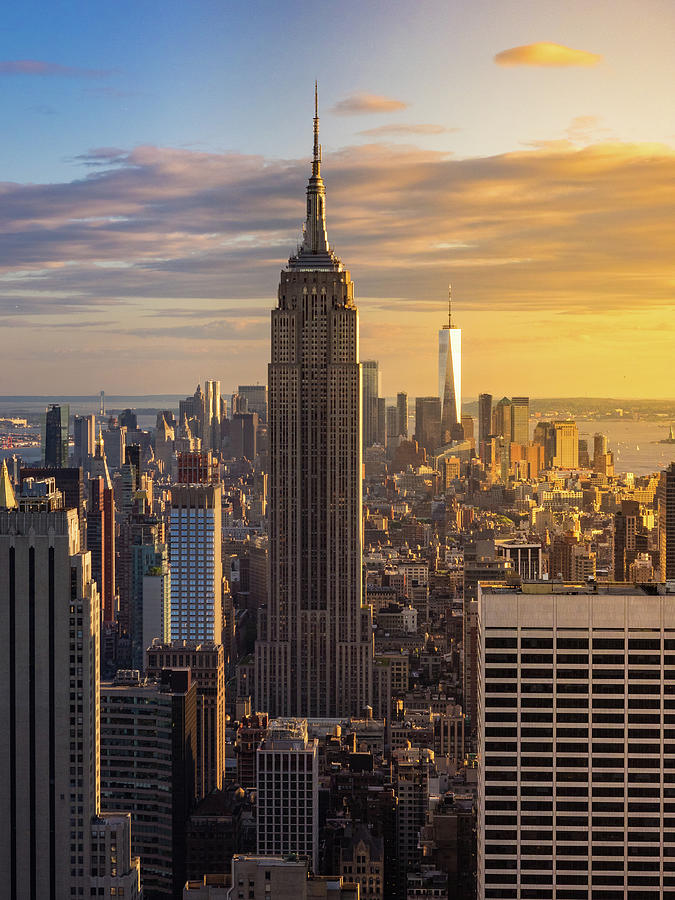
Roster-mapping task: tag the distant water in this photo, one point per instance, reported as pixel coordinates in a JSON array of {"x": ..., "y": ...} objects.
[{"x": 634, "y": 443}]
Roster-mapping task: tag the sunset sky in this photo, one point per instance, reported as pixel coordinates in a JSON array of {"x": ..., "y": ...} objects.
[{"x": 154, "y": 160}]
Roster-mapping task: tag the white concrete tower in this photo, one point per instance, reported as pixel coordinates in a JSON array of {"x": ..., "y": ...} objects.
[{"x": 314, "y": 648}]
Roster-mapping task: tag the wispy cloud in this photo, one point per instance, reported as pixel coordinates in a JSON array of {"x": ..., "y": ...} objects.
[
  {"x": 545, "y": 53},
  {"x": 393, "y": 130},
  {"x": 43, "y": 68},
  {"x": 362, "y": 103}
]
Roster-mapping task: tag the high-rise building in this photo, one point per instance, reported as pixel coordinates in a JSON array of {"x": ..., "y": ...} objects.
[
  {"x": 502, "y": 419},
  {"x": 566, "y": 445},
  {"x": 194, "y": 556},
  {"x": 148, "y": 737},
  {"x": 101, "y": 532},
  {"x": 206, "y": 662},
  {"x": 666, "y": 508},
  {"x": 243, "y": 435},
  {"x": 413, "y": 769},
  {"x": 577, "y": 766},
  {"x": 428, "y": 423},
  {"x": 55, "y": 436},
  {"x": 484, "y": 417},
  {"x": 84, "y": 435},
  {"x": 450, "y": 379},
  {"x": 256, "y": 399},
  {"x": 392, "y": 431},
  {"x": 197, "y": 467},
  {"x": 114, "y": 441},
  {"x": 370, "y": 375},
  {"x": 71, "y": 484},
  {"x": 55, "y": 841},
  {"x": 314, "y": 648},
  {"x": 212, "y": 416},
  {"x": 520, "y": 420},
  {"x": 288, "y": 791},
  {"x": 402, "y": 408}
]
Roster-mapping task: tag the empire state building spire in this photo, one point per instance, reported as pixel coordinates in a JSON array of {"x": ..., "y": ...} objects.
[{"x": 315, "y": 251}]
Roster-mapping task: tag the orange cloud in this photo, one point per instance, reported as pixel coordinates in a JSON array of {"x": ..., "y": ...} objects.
[
  {"x": 545, "y": 53},
  {"x": 361, "y": 103}
]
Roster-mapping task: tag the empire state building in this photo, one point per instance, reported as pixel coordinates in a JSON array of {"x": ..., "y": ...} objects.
[{"x": 314, "y": 649}]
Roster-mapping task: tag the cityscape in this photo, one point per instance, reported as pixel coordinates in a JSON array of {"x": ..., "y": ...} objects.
[{"x": 354, "y": 606}]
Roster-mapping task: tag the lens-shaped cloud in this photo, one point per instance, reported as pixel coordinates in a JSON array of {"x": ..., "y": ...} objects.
[
  {"x": 545, "y": 53},
  {"x": 361, "y": 104}
]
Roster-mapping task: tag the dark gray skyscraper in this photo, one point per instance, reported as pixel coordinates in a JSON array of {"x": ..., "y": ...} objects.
[
  {"x": 402, "y": 410},
  {"x": 371, "y": 391},
  {"x": 55, "y": 436},
  {"x": 484, "y": 417},
  {"x": 314, "y": 648}
]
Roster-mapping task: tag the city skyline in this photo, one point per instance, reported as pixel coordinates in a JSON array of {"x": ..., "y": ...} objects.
[{"x": 134, "y": 234}]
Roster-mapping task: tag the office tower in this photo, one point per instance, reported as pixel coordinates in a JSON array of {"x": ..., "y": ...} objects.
[
  {"x": 243, "y": 434},
  {"x": 428, "y": 423},
  {"x": 256, "y": 399},
  {"x": 206, "y": 662},
  {"x": 71, "y": 484},
  {"x": 193, "y": 410},
  {"x": 114, "y": 440},
  {"x": 84, "y": 434},
  {"x": 288, "y": 791},
  {"x": 402, "y": 408},
  {"x": 575, "y": 706},
  {"x": 525, "y": 558},
  {"x": 51, "y": 818},
  {"x": 484, "y": 417},
  {"x": 666, "y": 509},
  {"x": 566, "y": 445},
  {"x": 101, "y": 532},
  {"x": 194, "y": 555},
  {"x": 544, "y": 437},
  {"x": 314, "y": 648},
  {"x": 450, "y": 378},
  {"x": 197, "y": 467},
  {"x": 55, "y": 448},
  {"x": 129, "y": 420},
  {"x": 370, "y": 375},
  {"x": 520, "y": 420},
  {"x": 212, "y": 411},
  {"x": 413, "y": 769},
  {"x": 144, "y": 586},
  {"x": 502, "y": 419},
  {"x": 391, "y": 420},
  {"x": 468, "y": 429},
  {"x": 148, "y": 736},
  {"x": 381, "y": 421},
  {"x": 165, "y": 435},
  {"x": 251, "y": 732}
]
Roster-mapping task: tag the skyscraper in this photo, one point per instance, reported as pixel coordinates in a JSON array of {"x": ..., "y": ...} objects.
[
  {"x": 84, "y": 434},
  {"x": 371, "y": 391},
  {"x": 194, "y": 554},
  {"x": 666, "y": 506},
  {"x": 428, "y": 423},
  {"x": 450, "y": 378},
  {"x": 314, "y": 648},
  {"x": 484, "y": 417},
  {"x": 577, "y": 766},
  {"x": 288, "y": 791},
  {"x": 566, "y": 445},
  {"x": 212, "y": 404},
  {"x": 520, "y": 420},
  {"x": 51, "y": 826},
  {"x": 402, "y": 408},
  {"x": 55, "y": 436}
]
